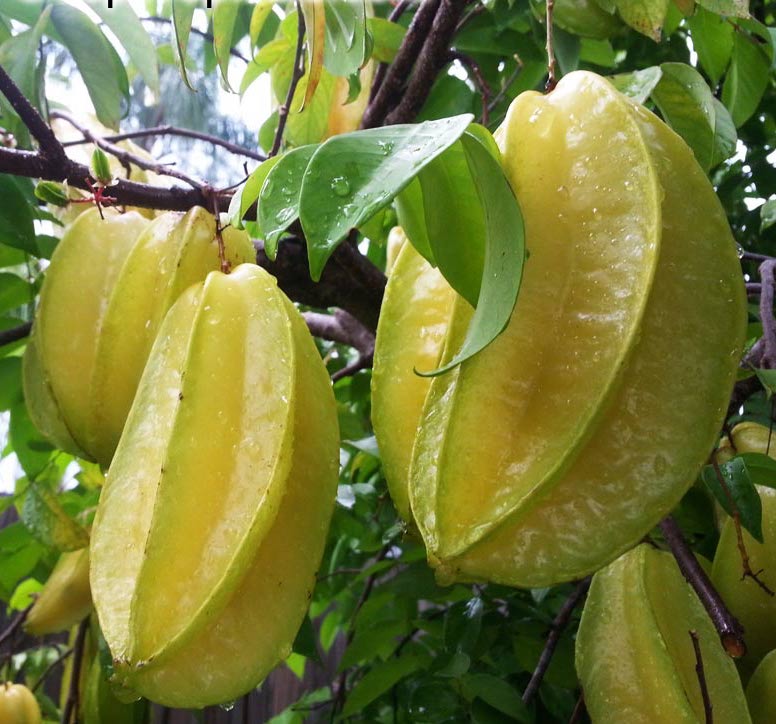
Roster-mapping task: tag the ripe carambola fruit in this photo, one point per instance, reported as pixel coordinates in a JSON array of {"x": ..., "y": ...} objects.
[
  {"x": 106, "y": 292},
  {"x": 761, "y": 691},
  {"x": 417, "y": 298},
  {"x": 66, "y": 597},
  {"x": 18, "y": 705},
  {"x": 215, "y": 509},
  {"x": 634, "y": 654},
  {"x": 564, "y": 441},
  {"x": 747, "y": 601}
]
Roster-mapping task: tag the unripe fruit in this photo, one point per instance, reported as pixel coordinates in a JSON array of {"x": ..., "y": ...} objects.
[{"x": 761, "y": 691}]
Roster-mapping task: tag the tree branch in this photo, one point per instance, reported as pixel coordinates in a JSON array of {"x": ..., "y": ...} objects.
[
  {"x": 475, "y": 72},
  {"x": 382, "y": 68},
  {"x": 433, "y": 57},
  {"x": 768, "y": 278},
  {"x": 70, "y": 712},
  {"x": 707, "y": 710},
  {"x": 125, "y": 156},
  {"x": 50, "y": 147},
  {"x": 729, "y": 629},
  {"x": 296, "y": 76},
  {"x": 342, "y": 328},
  {"x": 15, "y": 333},
  {"x": 176, "y": 131},
  {"x": 399, "y": 70},
  {"x": 557, "y": 627}
]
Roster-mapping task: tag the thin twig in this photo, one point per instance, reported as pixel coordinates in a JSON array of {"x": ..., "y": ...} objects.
[
  {"x": 175, "y": 131},
  {"x": 736, "y": 516},
  {"x": 579, "y": 709},
  {"x": 400, "y": 68},
  {"x": 50, "y": 147},
  {"x": 507, "y": 84},
  {"x": 296, "y": 76},
  {"x": 125, "y": 156},
  {"x": 751, "y": 256},
  {"x": 18, "y": 620},
  {"x": 70, "y": 712},
  {"x": 551, "y": 80},
  {"x": 707, "y": 709},
  {"x": 475, "y": 73},
  {"x": 557, "y": 627},
  {"x": 363, "y": 362},
  {"x": 51, "y": 667},
  {"x": 15, "y": 333},
  {"x": 730, "y": 632},
  {"x": 433, "y": 57},
  {"x": 753, "y": 288}
]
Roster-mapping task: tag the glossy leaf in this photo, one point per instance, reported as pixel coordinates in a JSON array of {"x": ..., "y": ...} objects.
[
  {"x": 315, "y": 29},
  {"x": 126, "y": 26},
  {"x": 639, "y": 84},
  {"x": 740, "y": 487},
  {"x": 97, "y": 61},
  {"x": 689, "y": 107},
  {"x": 761, "y": 468},
  {"x": 646, "y": 16},
  {"x": 16, "y": 223},
  {"x": 747, "y": 77},
  {"x": 504, "y": 254},
  {"x": 248, "y": 193},
  {"x": 381, "y": 162},
  {"x": 280, "y": 196},
  {"x": 182, "y": 14},
  {"x": 735, "y": 8},
  {"x": 345, "y": 45},
  {"x": 768, "y": 214},
  {"x": 712, "y": 38},
  {"x": 46, "y": 519},
  {"x": 14, "y": 292},
  {"x": 225, "y": 16},
  {"x": 387, "y": 38}
]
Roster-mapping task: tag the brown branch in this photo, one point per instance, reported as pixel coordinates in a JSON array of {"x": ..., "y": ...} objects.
[
  {"x": 175, "y": 131},
  {"x": 768, "y": 277},
  {"x": 363, "y": 362},
  {"x": 342, "y": 328},
  {"x": 400, "y": 68},
  {"x": 433, "y": 57},
  {"x": 382, "y": 68},
  {"x": 557, "y": 627},
  {"x": 125, "y": 156},
  {"x": 50, "y": 147},
  {"x": 551, "y": 63},
  {"x": 11, "y": 629},
  {"x": 70, "y": 712},
  {"x": 707, "y": 708},
  {"x": 579, "y": 709},
  {"x": 730, "y": 631},
  {"x": 15, "y": 333},
  {"x": 507, "y": 84},
  {"x": 736, "y": 515},
  {"x": 296, "y": 76},
  {"x": 475, "y": 72}
]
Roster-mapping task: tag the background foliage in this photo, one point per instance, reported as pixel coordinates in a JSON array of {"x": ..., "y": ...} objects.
[{"x": 406, "y": 649}]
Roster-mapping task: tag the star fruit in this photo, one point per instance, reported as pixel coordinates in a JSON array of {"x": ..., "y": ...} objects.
[
  {"x": 215, "y": 510},
  {"x": 568, "y": 438}
]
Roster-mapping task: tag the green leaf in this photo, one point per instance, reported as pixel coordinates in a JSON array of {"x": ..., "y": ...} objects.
[
  {"x": 225, "y": 16},
  {"x": 497, "y": 693},
  {"x": 712, "y": 38},
  {"x": 761, "y": 468},
  {"x": 10, "y": 382},
  {"x": 306, "y": 641},
  {"x": 182, "y": 14},
  {"x": 270, "y": 54},
  {"x": 10, "y": 256},
  {"x": 504, "y": 254},
  {"x": 345, "y": 44},
  {"x": 99, "y": 65},
  {"x": 18, "y": 56},
  {"x": 51, "y": 192},
  {"x": 747, "y": 77},
  {"x": 382, "y": 678},
  {"x": 310, "y": 123},
  {"x": 646, "y": 16},
  {"x": 259, "y": 15},
  {"x": 248, "y": 193},
  {"x": 639, "y": 84},
  {"x": 126, "y": 26},
  {"x": 767, "y": 380},
  {"x": 380, "y": 640},
  {"x": 456, "y": 231},
  {"x": 412, "y": 218},
  {"x": 280, "y": 194},
  {"x": 739, "y": 487},
  {"x": 25, "y": 594},
  {"x": 32, "y": 450},
  {"x": 44, "y": 516},
  {"x": 736, "y": 8},
  {"x": 14, "y": 292},
  {"x": 768, "y": 214},
  {"x": 100, "y": 167},
  {"x": 688, "y": 106},
  {"x": 336, "y": 197},
  {"x": 387, "y": 38},
  {"x": 16, "y": 220}
]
